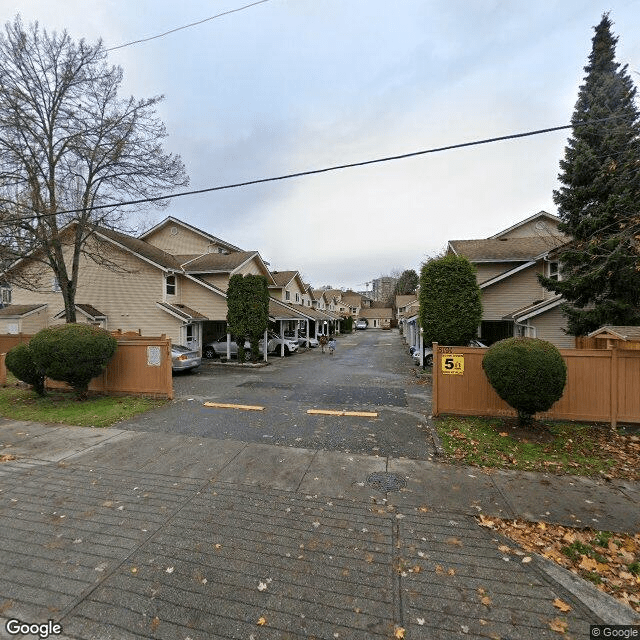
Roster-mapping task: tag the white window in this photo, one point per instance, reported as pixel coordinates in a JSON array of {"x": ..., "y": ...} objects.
[
  {"x": 55, "y": 285},
  {"x": 6, "y": 296},
  {"x": 297, "y": 297},
  {"x": 553, "y": 270},
  {"x": 287, "y": 295}
]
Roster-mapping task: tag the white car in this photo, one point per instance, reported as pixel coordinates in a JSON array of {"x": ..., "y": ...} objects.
[
  {"x": 275, "y": 343},
  {"x": 428, "y": 352}
]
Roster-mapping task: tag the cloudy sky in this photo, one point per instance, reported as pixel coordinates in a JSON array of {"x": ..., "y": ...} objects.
[{"x": 295, "y": 85}]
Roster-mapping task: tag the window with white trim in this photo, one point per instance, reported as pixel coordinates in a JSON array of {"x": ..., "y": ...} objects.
[
  {"x": 553, "y": 270},
  {"x": 170, "y": 285},
  {"x": 287, "y": 295}
]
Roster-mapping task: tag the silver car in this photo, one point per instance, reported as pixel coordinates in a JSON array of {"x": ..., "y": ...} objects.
[{"x": 183, "y": 358}]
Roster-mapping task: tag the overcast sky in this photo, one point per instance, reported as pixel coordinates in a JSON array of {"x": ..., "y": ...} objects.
[{"x": 295, "y": 85}]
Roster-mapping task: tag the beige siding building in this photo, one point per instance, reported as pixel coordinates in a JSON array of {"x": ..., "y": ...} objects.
[{"x": 508, "y": 263}]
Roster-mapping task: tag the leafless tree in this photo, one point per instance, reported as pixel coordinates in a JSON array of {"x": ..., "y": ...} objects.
[{"x": 70, "y": 144}]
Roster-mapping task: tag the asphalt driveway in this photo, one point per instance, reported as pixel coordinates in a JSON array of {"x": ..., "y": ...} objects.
[{"x": 370, "y": 371}]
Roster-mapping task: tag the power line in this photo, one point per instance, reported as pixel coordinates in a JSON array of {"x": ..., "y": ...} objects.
[
  {"x": 350, "y": 165},
  {"x": 187, "y": 26}
]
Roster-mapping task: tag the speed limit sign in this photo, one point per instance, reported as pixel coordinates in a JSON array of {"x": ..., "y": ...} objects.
[{"x": 453, "y": 364}]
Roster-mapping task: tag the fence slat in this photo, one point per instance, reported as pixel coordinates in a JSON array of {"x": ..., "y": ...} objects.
[
  {"x": 128, "y": 372},
  {"x": 603, "y": 385}
]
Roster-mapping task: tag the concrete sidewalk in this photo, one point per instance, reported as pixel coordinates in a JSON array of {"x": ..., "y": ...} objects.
[{"x": 122, "y": 534}]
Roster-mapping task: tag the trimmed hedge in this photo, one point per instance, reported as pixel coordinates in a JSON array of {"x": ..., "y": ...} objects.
[
  {"x": 527, "y": 373},
  {"x": 73, "y": 353},
  {"x": 450, "y": 306},
  {"x": 19, "y": 360}
]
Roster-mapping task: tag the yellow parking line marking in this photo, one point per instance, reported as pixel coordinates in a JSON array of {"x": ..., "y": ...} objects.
[
  {"x": 244, "y": 407},
  {"x": 328, "y": 412}
]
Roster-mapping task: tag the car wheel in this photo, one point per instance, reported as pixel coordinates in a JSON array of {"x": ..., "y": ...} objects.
[
  {"x": 286, "y": 351},
  {"x": 428, "y": 360},
  {"x": 209, "y": 352}
]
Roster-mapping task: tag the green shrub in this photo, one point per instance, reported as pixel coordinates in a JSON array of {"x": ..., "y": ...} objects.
[
  {"x": 527, "y": 373},
  {"x": 450, "y": 305},
  {"x": 73, "y": 353},
  {"x": 19, "y": 360}
]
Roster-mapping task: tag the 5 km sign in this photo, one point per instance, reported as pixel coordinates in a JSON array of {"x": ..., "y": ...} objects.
[{"x": 453, "y": 364}]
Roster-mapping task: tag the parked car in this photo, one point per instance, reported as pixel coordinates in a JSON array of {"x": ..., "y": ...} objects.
[
  {"x": 302, "y": 339},
  {"x": 218, "y": 348},
  {"x": 428, "y": 352},
  {"x": 361, "y": 324},
  {"x": 183, "y": 358},
  {"x": 275, "y": 342}
]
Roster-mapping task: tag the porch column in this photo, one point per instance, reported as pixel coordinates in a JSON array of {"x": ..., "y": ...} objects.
[
  {"x": 265, "y": 340},
  {"x": 228, "y": 346},
  {"x": 282, "y": 338}
]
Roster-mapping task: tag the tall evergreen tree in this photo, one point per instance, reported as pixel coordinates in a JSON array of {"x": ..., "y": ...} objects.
[{"x": 599, "y": 197}]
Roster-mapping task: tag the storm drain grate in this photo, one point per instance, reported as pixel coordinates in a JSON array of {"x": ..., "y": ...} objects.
[{"x": 385, "y": 482}]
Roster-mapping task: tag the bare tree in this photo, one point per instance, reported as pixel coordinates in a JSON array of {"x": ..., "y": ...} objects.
[{"x": 69, "y": 144}]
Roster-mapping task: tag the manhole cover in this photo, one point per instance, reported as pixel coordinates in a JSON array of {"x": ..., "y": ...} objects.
[{"x": 385, "y": 482}]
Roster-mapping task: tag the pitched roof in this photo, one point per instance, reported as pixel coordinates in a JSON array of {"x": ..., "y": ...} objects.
[
  {"x": 19, "y": 310},
  {"x": 403, "y": 301},
  {"x": 283, "y": 278},
  {"x": 381, "y": 312},
  {"x": 505, "y": 249},
  {"x": 619, "y": 332},
  {"x": 186, "y": 225},
  {"x": 540, "y": 215},
  {"x": 218, "y": 262},
  {"x": 142, "y": 248},
  {"x": 87, "y": 310},
  {"x": 181, "y": 311}
]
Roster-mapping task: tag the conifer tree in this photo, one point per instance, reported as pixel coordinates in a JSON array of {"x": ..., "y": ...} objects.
[{"x": 600, "y": 195}]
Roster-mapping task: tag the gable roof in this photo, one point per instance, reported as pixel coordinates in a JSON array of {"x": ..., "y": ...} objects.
[
  {"x": 20, "y": 310},
  {"x": 617, "y": 332},
  {"x": 505, "y": 249},
  {"x": 541, "y": 216},
  {"x": 380, "y": 312},
  {"x": 218, "y": 262},
  {"x": 144, "y": 249},
  {"x": 181, "y": 311},
  {"x": 170, "y": 220},
  {"x": 87, "y": 310}
]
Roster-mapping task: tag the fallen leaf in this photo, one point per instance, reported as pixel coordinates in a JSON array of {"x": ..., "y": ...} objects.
[
  {"x": 486, "y": 601},
  {"x": 559, "y": 626},
  {"x": 563, "y": 606},
  {"x": 420, "y": 621},
  {"x": 261, "y": 621},
  {"x": 134, "y": 569},
  {"x": 262, "y": 586},
  {"x": 503, "y": 434},
  {"x": 399, "y": 633},
  {"x": 504, "y": 548},
  {"x": 155, "y": 623},
  {"x": 526, "y": 560},
  {"x": 169, "y": 570},
  {"x": 451, "y": 572},
  {"x": 456, "y": 542}
]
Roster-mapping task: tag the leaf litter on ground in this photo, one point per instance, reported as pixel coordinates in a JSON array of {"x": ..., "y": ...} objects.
[{"x": 611, "y": 561}]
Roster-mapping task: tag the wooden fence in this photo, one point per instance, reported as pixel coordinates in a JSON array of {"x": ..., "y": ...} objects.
[
  {"x": 141, "y": 366},
  {"x": 584, "y": 342},
  {"x": 602, "y": 386}
]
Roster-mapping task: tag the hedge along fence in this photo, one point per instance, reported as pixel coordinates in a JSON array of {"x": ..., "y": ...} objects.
[
  {"x": 602, "y": 386},
  {"x": 141, "y": 366}
]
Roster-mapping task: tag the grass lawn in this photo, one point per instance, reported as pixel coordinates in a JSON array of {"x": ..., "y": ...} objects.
[
  {"x": 62, "y": 407},
  {"x": 554, "y": 447}
]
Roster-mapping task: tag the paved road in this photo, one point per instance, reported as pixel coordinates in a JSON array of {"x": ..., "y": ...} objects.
[
  {"x": 190, "y": 524},
  {"x": 371, "y": 370}
]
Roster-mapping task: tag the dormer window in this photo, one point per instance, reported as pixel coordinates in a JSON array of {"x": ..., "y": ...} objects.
[{"x": 170, "y": 285}]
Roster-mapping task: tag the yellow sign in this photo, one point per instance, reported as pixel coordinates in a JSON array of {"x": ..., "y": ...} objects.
[{"x": 453, "y": 364}]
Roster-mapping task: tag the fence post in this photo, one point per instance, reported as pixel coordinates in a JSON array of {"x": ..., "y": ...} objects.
[
  {"x": 434, "y": 381},
  {"x": 614, "y": 387},
  {"x": 3, "y": 371}
]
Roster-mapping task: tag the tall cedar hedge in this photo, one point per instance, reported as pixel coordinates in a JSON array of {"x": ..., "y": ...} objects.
[
  {"x": 247, "y": 311},
  {"x": 450, "y": 306}
]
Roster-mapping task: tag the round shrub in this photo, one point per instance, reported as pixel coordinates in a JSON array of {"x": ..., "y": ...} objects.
[
  {"x": 73, "y": 353},
  {"x": 527, "y": 373},
  {"x": 19, "y": 360}
]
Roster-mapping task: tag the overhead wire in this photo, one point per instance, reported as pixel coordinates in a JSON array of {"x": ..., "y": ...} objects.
[
  {"x": 298, "y": 174},
  {"x": 187, "y": 26}
]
